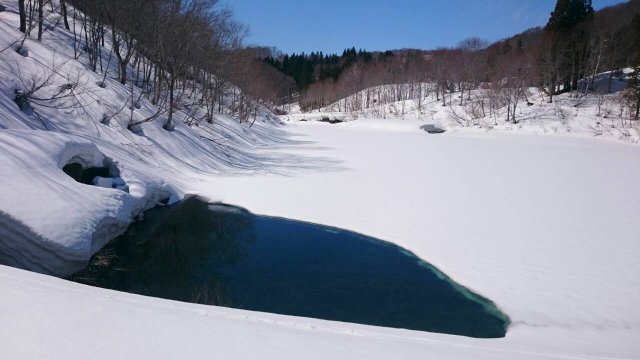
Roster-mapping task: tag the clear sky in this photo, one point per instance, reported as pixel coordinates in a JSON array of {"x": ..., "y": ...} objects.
[{"x": 333, "y": 25}]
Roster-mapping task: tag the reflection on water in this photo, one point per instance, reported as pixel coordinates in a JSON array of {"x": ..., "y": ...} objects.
[{"x": 222, "y": 255}]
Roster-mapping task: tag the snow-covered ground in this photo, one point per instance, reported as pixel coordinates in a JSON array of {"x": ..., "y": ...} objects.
[{"x": 545, "y": 226}]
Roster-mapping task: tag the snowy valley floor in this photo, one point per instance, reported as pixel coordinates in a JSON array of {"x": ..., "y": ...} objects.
[{"x": 547, "y": 227}]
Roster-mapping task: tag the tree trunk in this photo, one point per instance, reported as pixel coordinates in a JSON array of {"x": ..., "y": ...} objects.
[
  {"x": 123, "y": 73},
  {"x": 31, "y": 16},
  {"x": 573, "y": 73},
  {"x": 40, "y": 18},
  {"x": 172, "y": 85},
  {"x": 157, "y": 85},
  {"x": 515, "y": 106},
  {"x": 610, "y": 81},
  {"x": 23, "y": 16},
  {"x": 63, "y": 6}
]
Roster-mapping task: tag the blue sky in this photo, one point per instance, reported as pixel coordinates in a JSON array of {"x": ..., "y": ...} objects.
[{"x": 333, "y": 25}]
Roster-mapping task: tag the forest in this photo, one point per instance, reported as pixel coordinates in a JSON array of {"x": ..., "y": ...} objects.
[
  {"x": 176, "y": 53},
  {"x": 190, "y": 54},
  {"x": 576, "y": 44}
]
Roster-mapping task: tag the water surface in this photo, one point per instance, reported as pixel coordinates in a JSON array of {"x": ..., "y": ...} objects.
[{"x": 221, "y": 255}]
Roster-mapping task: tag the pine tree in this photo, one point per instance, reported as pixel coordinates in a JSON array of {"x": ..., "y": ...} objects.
[
  {"x": 570, "y": 26},
  {"x": 568, "y": 14}
]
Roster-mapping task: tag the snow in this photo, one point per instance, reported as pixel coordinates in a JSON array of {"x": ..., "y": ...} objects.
[
  {"x": 544, "y": 226},
  {"x": 32, "y": 163},
  {"x": 51, "y": 223},
  {"x": 541, "y": 217},
  {"x": 106, "y": 325},
  {"x": 596, "y": 115}
]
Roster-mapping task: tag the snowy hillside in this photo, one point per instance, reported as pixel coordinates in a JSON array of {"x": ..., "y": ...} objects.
[
  {"x": 544, "y": 226},
  {"x": 67, "y": 222},
  {"x": 594, "y": 115}
]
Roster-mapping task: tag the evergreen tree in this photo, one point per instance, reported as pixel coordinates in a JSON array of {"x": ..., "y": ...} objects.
[
  {"x": 568, "y": 14},
  {"x": 570, "y": 26},
  {"x": 316, "y": 66}
]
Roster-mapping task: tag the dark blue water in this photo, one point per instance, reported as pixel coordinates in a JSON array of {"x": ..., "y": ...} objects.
[{"x": 221, "y": 255}]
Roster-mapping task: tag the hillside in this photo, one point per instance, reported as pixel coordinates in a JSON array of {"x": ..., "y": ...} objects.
[
  {"x": 595, "y": 115},
  {"x": 90, "y": 125}
]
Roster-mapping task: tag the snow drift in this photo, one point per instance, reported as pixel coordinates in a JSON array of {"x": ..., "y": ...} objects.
[{"x": 51, "y": 222}]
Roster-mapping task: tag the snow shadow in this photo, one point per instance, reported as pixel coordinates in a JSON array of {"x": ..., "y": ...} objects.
[{"x": 22, "y": 248}]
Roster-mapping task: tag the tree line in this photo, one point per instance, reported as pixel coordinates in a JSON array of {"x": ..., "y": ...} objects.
[
  {"x": 179, "y": 54},
  {"x": 188, "y": 55},
  {"x": 307, "y": 69},
  {"x": 564, "y": 56}
]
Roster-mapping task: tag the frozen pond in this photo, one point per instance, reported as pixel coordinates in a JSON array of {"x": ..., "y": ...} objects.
[{"x": 221, "y": 255}]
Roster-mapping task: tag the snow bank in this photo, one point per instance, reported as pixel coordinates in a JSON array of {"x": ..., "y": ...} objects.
[{"x": 52, "y": 223}]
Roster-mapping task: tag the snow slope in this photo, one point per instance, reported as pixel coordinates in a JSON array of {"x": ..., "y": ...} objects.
[
  {"x": 53, "y": 225},
  {"x": 107, "y": 325}
]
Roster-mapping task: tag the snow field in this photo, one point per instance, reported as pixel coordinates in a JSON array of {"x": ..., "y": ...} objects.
[{"x": 545, "y": 226}]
